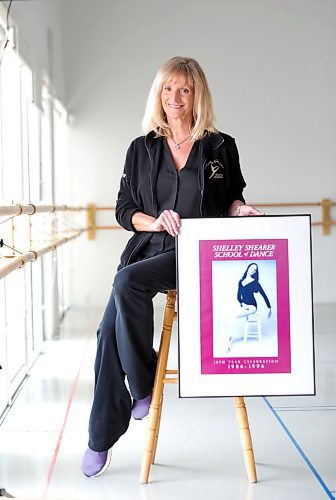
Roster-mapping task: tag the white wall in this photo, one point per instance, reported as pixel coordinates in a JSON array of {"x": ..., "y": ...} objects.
[{"x": 271, "y": 68}]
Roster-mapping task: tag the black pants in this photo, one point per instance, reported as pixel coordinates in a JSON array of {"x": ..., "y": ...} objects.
[{"x": 125, "y": 346}]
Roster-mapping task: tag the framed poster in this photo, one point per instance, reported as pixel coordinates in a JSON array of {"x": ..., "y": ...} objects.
[{"x": 245, "y": 313}]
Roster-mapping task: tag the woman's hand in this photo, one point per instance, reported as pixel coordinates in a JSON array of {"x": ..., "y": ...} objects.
[
  {"x": 168, "y": 221},
  {"x": 243, "y": 210},
  {"x": 238, "y": 209}
]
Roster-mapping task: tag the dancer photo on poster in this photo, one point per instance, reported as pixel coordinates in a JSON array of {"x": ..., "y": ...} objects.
[
  {"x": 244, "y": 309},
  {"x": 244, "y": 298}
]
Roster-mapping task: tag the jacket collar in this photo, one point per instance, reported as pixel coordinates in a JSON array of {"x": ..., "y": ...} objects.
[{"x": 211, "y": 140}]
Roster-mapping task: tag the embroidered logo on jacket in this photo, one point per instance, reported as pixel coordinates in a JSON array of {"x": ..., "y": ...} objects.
[{"x": 215, "y": 169}]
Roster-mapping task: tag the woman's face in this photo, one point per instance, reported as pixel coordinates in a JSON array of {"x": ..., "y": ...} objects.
[
  {"x": 252, "y": 269},
  {"x": 177, "y": 98}
]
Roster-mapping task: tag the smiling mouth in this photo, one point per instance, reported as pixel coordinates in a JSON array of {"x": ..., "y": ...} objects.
[{"x": 175, "y": 106}]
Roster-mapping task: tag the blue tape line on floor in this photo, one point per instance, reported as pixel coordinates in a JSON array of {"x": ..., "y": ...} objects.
[{"x": 299, "y": 449}]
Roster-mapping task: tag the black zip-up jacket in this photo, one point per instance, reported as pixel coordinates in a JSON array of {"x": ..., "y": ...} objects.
[{"x": 219, "y": 178}]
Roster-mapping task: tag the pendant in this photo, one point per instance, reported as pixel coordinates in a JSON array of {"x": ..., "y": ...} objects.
[{"x": 177, "y": 146}]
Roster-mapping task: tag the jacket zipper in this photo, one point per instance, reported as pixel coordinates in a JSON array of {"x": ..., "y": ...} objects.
[
  {"x": 154, "y": 204},
  {"x": 201, "y": 177}
]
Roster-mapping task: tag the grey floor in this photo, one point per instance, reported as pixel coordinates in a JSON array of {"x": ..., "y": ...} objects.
[{"x": 44, "y": 435}]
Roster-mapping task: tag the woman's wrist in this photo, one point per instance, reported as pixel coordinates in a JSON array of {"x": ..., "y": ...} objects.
[
  {"x": 234, "y": 210},
  {"x": 238, "y": 209},
  {"x": 143, "y": 222}
]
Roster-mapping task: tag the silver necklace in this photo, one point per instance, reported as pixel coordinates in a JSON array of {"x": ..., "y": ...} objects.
[{"x": 178, "y": 144}]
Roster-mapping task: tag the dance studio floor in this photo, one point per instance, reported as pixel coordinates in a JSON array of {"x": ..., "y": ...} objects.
[{"x": 199, "y": 457}]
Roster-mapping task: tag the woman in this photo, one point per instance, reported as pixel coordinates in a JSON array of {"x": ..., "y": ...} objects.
[
  {"x": 182, "y": 168},
  {"x": 248, "y": 286}
]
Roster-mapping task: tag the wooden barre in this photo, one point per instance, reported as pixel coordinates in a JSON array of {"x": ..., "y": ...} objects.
[
  {"x": 263, "y": 204},
  {"x": 294, "y": 204},
  {"x": 326, "y": 223},
  {"x": 31, "y": 209},
  {"x": 19, "y": 261}
]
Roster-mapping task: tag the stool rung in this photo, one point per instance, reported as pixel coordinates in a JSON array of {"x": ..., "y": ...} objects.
[
  {"x": 172, "y": 372},
  {"x": 170, "y": 380}
]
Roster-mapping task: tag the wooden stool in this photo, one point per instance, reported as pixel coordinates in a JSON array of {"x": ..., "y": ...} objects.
[{"x": 155, "y": 410}]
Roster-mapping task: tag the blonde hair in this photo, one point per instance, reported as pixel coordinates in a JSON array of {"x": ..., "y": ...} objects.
[{"x": 203, "y": 117}]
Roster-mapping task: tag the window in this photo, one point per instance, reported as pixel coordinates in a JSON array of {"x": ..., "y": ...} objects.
[{"x": 33, "y": 169}]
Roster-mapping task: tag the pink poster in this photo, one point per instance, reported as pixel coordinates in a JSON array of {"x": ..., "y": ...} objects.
[{"x": 244, "y": 306}]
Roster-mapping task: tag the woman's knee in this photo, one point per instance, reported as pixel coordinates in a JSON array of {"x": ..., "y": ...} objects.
[{"x": 123, "y": 280}]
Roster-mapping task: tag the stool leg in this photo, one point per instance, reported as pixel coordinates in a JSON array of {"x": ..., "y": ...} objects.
[
  {"x": 156, "y": 404},
  {"x": 157, "y": 431},
  {"x": 245, "y": 438}
]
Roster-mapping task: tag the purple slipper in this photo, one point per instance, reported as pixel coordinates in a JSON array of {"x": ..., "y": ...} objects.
[
  {"x": 140, "y": 407},
  {"x": 95, "y": 462}
]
